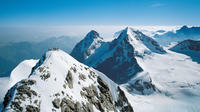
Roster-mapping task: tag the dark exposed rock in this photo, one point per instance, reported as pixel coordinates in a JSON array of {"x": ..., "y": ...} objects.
[
  {"x": 78, "y": 107},
  {"x": 20, "y": 98},
  {"x": 57, "y": 94},
  {"x": 123, "y": 103},
  {"x": 74, "y": 69},
  {"x": 16, "y": 106},
  {"x": 141, "y": 86},
  {"x": 82, "y": 77},
  {"x": 45, "y": 76},
  {"x": 36, "y": 101},
  {"x": 69, "y": 79},
  {"x": 56, "y": 102},
  {"x": 64, "y": 86},
  {"x": 91, "y": 91},
  {"x": 103, "y": 84},
  {"x": 28, "y": 82},
  {"x": 67, "y": 105},
  {"x": 86, "y": 68},
  {"x": 23, "y": 92},
  {"x": 105, "y": 98},
  {"x": 92, "y": 74},
  {"x": 31, "y": 108},
  {"x": 87, "y": 107},
  {"x": 41, "y": 69},
  {"x": 8, "y": 97},
  {"x": 24, "y": 89}
]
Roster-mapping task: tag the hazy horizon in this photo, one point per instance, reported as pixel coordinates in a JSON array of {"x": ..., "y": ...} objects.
[{"x": 35, "y": 34}]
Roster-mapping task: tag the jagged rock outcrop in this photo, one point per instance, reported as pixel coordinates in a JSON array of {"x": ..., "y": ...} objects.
[{"x": 123, "y": 102}]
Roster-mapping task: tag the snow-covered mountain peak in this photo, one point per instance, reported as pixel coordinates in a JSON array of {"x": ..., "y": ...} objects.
[
  {"x": 184, "y": 27},
  {"x": 59, "y": 83},
  {"x": 142, "y": 44},
  {"x": 87, "y": 46},
  {"x": 93, "y": 34}
]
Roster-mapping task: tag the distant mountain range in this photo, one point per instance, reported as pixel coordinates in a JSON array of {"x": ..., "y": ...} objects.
[
  {"x": 179, "y": 35},
  {"x": 190, "y": 48},
  {"x": 13, "y": 53}
]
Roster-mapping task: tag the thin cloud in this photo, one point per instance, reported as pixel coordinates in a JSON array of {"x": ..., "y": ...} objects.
[{"x": 157, "y": 5}]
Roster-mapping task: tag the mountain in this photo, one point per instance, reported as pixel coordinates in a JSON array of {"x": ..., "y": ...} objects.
[
  {"x": 190, "y": 48},
  {"x": 4, "y": 81},
  {"x": 13, "y": 53},
  {"x": 117, "y": 59},
  {"x": 168, "y": 80},
  {"x": 58, "y": 82},
  {"x": 21, "y": 71},
  {"x": 86, "y": 47},
  {"x": 179, "y": 35}
]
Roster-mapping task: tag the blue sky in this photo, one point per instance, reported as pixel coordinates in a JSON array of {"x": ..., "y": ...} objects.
[{"x": 99, "y": 12}]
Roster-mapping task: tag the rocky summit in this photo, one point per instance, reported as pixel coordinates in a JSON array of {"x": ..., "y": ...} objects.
[{"x": 59, "y": 83}]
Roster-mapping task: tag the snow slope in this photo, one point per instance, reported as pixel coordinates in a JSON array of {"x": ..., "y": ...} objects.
[
  {"x": 4, "y": 88},
  {"x": 178, "y": 79},
  {"x": 22, "y": 71},
  {"x": 58, "y": 82}
]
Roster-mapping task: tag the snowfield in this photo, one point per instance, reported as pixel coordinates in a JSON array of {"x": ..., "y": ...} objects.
[{"x": 178, "y": 79}]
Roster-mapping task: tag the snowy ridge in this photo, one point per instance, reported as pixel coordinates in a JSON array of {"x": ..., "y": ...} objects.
[
  {"x": 143, "y": 43},
  {"x": 22, "y": 71},
  {"x": 87, "y": 46},
  {"x": 61, "y": 83}
]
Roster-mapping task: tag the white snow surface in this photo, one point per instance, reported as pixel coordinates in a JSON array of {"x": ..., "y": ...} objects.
[
  {"x": 3, "y": 88},
  {"x": 57, "y": 64},
  {"x": 178, "y": 79},
  {"x": 22, "y": 71}
]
